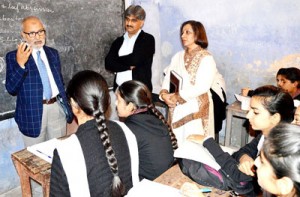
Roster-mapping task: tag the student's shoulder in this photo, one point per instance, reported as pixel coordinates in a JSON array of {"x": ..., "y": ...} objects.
[
  {"x": 297, "y": 97},
  {"x": 115, "y": 126},
  {"x": 112, "y": 124}
]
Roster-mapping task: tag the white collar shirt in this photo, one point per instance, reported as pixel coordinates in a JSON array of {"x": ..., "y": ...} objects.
[
  {"x": 128, "y": 44},
  {"x": 126, "y": 49},
  {"x": 260, "y": 144}
]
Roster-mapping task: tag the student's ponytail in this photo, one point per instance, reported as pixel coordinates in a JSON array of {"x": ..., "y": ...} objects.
[{"x": 159, "y": 115}]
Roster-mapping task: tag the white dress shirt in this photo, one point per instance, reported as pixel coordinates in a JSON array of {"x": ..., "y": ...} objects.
[{"x": 126, "y": 49}]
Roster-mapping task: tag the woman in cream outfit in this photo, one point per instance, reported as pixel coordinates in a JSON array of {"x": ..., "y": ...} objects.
[{"x": 191, "y": 108}]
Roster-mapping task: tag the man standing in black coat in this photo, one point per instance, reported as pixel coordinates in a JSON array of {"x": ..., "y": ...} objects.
[{"x": 130, "y": 56}]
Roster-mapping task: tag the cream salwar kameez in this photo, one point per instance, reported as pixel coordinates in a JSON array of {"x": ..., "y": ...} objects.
[{"x": 195, "y": 115}]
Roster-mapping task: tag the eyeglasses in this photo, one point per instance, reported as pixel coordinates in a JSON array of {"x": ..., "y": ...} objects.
[{"x": 33, "y": 34}]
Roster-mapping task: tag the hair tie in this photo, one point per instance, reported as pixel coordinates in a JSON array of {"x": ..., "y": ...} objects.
[{"x": 140, "y": 110}]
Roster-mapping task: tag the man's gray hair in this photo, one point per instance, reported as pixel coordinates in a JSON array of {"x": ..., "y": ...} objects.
[
  {"x": 137, "y": 11},
  {"x": 31, "y": 18}
]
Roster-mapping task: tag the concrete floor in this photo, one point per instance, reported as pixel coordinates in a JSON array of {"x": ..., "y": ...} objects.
[
  {"x": 17, "y": 192},
  {"x": 13, "y": 193}
]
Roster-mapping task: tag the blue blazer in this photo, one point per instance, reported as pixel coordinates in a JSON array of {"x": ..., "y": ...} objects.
[{"x": 27, "y": 85}]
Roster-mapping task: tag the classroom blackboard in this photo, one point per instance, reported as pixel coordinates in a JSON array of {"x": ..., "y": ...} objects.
[{"x": 81, "y": 30}]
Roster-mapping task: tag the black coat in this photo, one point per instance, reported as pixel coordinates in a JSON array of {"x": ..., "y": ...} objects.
[{"x": 141, "y": 57}]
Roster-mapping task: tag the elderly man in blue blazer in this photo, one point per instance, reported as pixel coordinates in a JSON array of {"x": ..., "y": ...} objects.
[
  {"x": 34, "y": 75},
  {"x": 130, "y": 56}
]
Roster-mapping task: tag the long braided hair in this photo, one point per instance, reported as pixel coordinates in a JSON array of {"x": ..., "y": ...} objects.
[
  {"x": 90, "y": 92},
  {"x": 137, "y": 93}
]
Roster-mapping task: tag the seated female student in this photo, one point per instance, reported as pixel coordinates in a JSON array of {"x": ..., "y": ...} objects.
[
  {"x": 95, "y": 161},
  {"x": 155, "y": 138},
  {"x": 288, "y": 79},
  {"x": 279, "y": 162},
  {"x": 268, "y": 107}
]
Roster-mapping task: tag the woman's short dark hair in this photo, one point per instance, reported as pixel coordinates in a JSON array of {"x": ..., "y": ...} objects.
[
  {"x": 135, "y": 10},
  {"x": 291, "y": 73},
  {"x": 276, "y": 101},
  {"x": 282, "y": 149},
  {"x": 200, "y": 33}
]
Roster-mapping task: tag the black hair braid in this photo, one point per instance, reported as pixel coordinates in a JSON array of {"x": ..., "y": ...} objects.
[
  {"x": 118, "y": 188},
  {"x": 162, "y": 118},
  {"x": 90, "y": 91}
]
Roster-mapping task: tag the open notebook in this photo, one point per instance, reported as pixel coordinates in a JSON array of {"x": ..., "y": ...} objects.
[{"x": 44, "y": 150}]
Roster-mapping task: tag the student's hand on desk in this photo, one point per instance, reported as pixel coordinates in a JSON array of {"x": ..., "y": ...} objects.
[
  {"x": 246, "y": 165},
  {"x": 196, "y": 138},
  {"x": 190, "y": 190},
  {"x": 22, "y": 54}
]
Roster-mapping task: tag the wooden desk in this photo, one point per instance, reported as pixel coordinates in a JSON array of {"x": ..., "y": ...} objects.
[
  {"x": 175, "y": 178},
  {"x": 31, "y": 166},
  {"x": 233, "y": 113}
]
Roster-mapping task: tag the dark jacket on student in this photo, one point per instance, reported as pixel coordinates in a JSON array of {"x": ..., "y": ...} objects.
[
  {"x": 229, "y": 177},
  {"x": 229, "y": 164},
  {"x": 249, "y": 149},
  {"x": 98, "y": 171},
  {"x": 154, "y": 144}
]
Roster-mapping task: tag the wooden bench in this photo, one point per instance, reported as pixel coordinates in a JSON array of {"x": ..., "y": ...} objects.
[{"x": 30, "y": 166}]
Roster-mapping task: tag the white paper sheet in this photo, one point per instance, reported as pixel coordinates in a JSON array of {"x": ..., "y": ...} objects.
[
  {"x": 44, "y": 150},
  {"x": 151, "y": 188},
  {"x": 245, "y": 100},
  {"x": 197, "y": 152}
]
